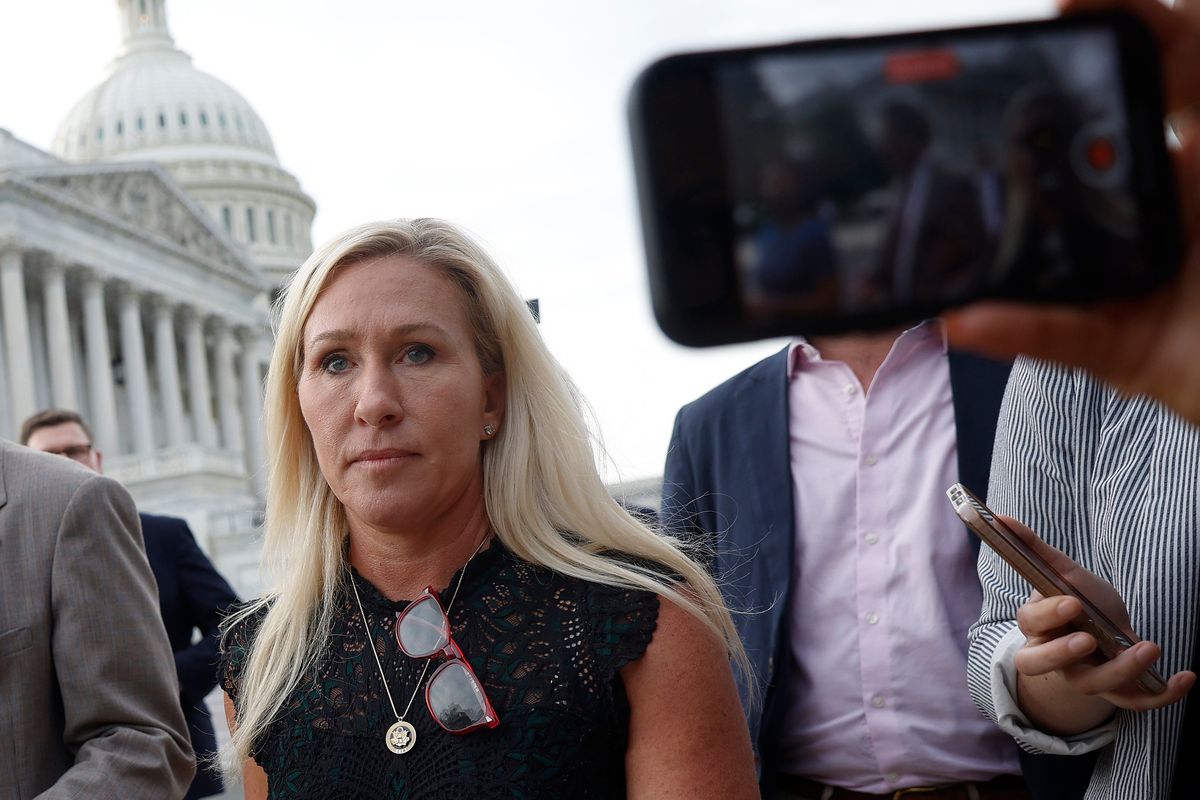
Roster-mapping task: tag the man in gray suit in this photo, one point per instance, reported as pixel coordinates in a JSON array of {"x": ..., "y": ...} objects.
[{"x": 89, "y": 701}]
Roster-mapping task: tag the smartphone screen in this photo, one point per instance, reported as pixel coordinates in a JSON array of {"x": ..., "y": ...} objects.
[
  {"x": 869, "y": 180},
  {"x": 885, "y": 175}
]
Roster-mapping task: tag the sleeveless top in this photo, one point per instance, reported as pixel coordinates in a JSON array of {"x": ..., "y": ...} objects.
[{"x": 547, "y": 648}]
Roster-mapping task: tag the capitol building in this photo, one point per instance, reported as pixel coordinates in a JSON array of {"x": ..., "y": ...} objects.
[{"x": 138, "y": 260}]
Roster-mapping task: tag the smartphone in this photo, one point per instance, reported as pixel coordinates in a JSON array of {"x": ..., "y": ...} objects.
[
  {"x": 1047, "y": 580},
  {"x": 849, "y": 184}
]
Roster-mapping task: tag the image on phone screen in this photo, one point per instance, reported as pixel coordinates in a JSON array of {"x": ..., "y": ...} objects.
[{"x": 906, "y": 173}]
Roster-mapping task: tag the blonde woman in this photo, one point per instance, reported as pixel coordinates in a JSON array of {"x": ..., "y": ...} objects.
[{"x": 459, "y": 609}]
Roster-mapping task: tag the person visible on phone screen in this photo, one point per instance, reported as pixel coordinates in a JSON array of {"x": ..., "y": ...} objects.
[
  {"x": 1110, "y": 481},
  {"x": 935, "y": 240},
  {"x": 1061, "y": 213},
  {"x": 817, "y": 478},
  {"x": 795, "y": 262}
]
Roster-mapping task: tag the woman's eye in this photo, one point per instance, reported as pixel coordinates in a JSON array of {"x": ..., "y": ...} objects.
[
  {"x": 335, "y": 363},
  {"x": 418, "y": 354}
]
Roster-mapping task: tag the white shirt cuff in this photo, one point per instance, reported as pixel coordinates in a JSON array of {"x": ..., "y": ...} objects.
[{"x": 1013, "y": 721}]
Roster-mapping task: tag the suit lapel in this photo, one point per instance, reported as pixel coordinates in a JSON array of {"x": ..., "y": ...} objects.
[
  {"x": 763, "y": 452},
  {"x": 977, "y": 385}
]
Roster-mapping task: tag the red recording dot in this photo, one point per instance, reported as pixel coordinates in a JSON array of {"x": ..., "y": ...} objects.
[{"x": 1101, "y": 154}]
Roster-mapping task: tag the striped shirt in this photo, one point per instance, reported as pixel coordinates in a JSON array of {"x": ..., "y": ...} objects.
[{"x": 1112, "y": 481}]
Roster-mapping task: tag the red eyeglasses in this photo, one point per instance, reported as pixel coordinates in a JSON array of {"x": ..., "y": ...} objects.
[{"x": 455, "y": 696}]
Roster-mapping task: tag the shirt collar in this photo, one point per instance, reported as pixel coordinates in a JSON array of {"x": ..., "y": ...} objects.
[{"x": 801, "y": 351}]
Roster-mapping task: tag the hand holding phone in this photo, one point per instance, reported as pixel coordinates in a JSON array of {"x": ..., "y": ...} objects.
[{"x": 1102, "y": 613}]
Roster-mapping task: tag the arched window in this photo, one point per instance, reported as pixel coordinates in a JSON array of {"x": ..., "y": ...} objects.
[
  {"x": 250, "y": 234},
  {"x": 227, "y": 219}
]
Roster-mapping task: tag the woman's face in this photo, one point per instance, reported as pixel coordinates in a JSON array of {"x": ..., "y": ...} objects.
[{"x": 394, "y": 396}]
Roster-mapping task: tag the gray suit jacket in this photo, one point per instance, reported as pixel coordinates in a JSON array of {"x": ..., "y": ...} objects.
[{"x": 89, "y": 701}]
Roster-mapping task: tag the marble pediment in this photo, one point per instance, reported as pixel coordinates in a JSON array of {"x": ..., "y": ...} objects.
[{"x": 145, "y": 197}]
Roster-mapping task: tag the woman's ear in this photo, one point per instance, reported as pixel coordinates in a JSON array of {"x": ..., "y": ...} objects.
[{"x": 495, "y": 396}]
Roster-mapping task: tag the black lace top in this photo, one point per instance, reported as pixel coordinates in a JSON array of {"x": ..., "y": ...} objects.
[{"x": 547, "y": 649}]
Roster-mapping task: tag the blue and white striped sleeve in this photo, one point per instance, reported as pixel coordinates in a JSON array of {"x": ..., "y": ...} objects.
[{"x": 1046, "y": 434}]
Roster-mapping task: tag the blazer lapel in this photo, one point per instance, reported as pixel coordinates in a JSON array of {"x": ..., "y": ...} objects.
[
  {"x": 977, "y": 385},
  {"x": 764, "y": 455}
]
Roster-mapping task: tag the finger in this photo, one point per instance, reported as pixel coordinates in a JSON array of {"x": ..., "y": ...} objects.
[
  {"x": 1074, "y": 336},
  {"x": 1060, "y": 653},
  {"x": 1046, "y": 618},
  {"x": 1134, "y": 699},
  {"x": 1113, "y": 675}
]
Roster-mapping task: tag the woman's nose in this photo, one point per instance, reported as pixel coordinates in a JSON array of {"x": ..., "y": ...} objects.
[{"x": 378, "y": 404}]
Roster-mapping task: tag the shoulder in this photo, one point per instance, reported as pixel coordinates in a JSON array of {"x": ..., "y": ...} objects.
[
  {"x": 718, "y": 400},
  {"x": 617, "y": 622},
  {"x": 47, "y": 492},
  {"x": 1046, "y": 386},
  {"x": 163, "y": 523},
  {"x": 171, "y": 532},
  {"x": 239, "y": 631},
  {"x": 27, "y": 475}
]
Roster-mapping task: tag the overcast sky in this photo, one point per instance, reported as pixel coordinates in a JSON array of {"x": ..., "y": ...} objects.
[{"x": 506, "y": 117}]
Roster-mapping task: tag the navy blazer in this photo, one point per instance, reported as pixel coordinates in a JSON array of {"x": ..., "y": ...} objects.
[
  {"x": 729, "y": 470},
  {"x": 192, "y": 596}
]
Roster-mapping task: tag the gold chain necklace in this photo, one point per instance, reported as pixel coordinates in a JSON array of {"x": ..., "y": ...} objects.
[{"x": 402, "y": 736}]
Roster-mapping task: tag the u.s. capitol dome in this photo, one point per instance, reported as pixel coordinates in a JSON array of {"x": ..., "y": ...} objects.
[{"x": 155, "y": 105}]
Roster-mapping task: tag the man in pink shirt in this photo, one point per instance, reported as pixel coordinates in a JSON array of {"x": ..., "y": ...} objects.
[{"x": 818, "y": 477}]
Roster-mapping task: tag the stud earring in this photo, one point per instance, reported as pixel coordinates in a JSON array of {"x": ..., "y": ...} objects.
[{"x": 489, "y": 429}]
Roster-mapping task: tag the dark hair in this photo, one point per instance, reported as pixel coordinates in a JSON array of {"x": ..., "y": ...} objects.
[
  {"x": 908, "y": 121},
  {"x": 49, "y": 418}
]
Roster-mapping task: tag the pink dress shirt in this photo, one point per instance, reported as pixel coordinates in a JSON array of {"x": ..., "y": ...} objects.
[{"x": 884, "y": 584}]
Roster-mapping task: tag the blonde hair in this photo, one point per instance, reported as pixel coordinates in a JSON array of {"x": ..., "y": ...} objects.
[{"x": 543, "y": 494}]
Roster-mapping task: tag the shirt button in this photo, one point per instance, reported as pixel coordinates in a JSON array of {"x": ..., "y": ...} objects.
[
  {"x": 871, "y": 538},
  {"x": 872, "y": 618},
  {"x": 892, "y": 777},
  {"x": 849, "y": 389},
  {"x": 871, "y": 461},
  {"x": 877, "y": 701}
]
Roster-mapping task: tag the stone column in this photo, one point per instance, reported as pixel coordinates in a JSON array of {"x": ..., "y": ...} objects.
[
  {"x": 17, "y": 342},
  {"x": 58, "y": 337},
  {"x": 197, "y": 369},
  {"x": 231, "y": 429},
  {"x": 137, "y": 380},
  {"x": 99, "y": 366},
  {"x": 252, "y": 410},
  {"x": 167, "y": 369}
]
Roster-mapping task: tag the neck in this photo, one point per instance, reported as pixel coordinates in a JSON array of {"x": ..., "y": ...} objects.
[
  {"x": 861, "y": 352},
  {"x": 400, "y": 566}
]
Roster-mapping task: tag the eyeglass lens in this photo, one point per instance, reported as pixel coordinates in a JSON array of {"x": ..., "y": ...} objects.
[
  {"x": 423, "y": 631},
  {"x": 456, "y": 698}
]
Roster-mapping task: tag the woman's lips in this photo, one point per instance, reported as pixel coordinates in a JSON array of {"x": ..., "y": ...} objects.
[{"x": 382, "y": 457}]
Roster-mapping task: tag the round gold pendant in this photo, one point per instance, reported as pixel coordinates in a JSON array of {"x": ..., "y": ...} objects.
[{"x": 400, "y": 737}]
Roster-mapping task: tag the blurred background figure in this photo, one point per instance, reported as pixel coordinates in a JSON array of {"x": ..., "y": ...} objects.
[
  {"x": 936, "y": 234},
  {"x": 192, "y": 595},
  {"x": 795, "y": 258},
  {"x": 1055, "y": 200}
]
